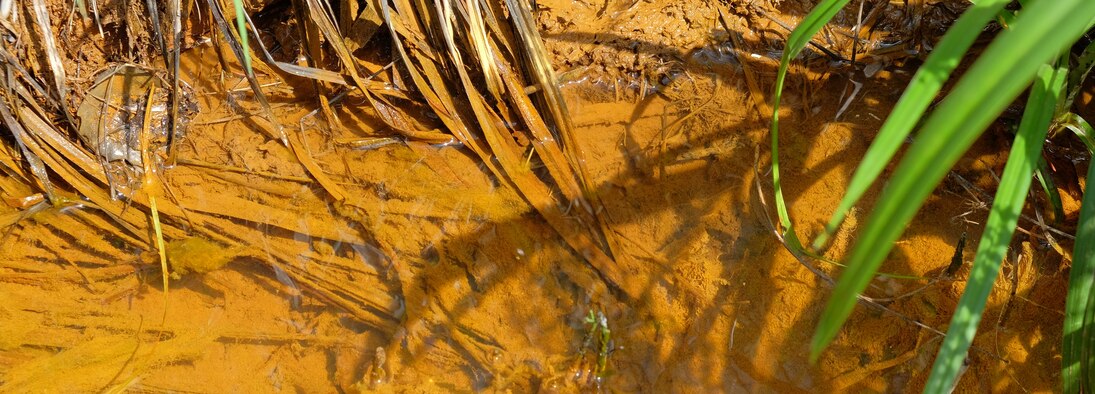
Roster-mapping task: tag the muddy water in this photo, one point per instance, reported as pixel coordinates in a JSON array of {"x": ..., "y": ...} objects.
[{"x": 446, "y": 280}]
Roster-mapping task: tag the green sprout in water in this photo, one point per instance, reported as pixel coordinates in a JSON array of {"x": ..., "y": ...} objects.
[{"x": 599, "y": 331}]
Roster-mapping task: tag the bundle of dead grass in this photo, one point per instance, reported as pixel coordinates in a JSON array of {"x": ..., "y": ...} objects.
[{"x": 480, "y": 68}]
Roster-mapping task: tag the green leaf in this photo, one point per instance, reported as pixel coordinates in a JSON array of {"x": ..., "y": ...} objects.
[
  {"x": 818, "y": 17},
  {"x": 912, "y": 105},
  {"x": 1077, "y": 352},
  {"x": 1003, "y": 217},
  {"x": 1084, "y": 63},
  {"x": 1050, "y": 189},
  {"x": 1007, "y": 66},
  {"x": 1081, "y": 128},
  {"x": 241, "y": 25}
]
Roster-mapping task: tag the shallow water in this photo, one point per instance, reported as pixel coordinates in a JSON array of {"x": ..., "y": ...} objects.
[{"x": 438, "y": 277}]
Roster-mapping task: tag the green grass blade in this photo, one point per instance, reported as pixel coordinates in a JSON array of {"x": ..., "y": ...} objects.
[
  {"x": 1082, "y": 129},
  {"x": 818, "y": 17},
  {"x": 1004, "y": 215},
  {"x": 1050, "y": 189},
  {"x": 1003, "y": 71},
  {"x": 1087, "y": 363},
  {"x": 1084, "y": 63},
  {"x": 241, "y": 25},
  {"x": 1076, "y": 352},
  {"x": 909, "y": 109}
]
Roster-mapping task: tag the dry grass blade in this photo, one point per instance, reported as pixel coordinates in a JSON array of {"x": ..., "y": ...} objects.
[
  {"x": 5, "y": 9},
  {"x": 359, "y": 25},
  {"x": 42, "y": 131},
  {"x": 157, "y": 32},
  {"x": 62, "y": 152},
  {"x": 322, "y": 20},
  {"x": 573, "y": 168},
  {"x": 41, "y": 14},
  {"x": 502, "y": 148},
  {"x": 554, "y": 161},
  {"x": 95, "y": 14},
  {"x": 37, "y": 167},
  {"x": 541, "y": 69},
  {"x": 12, "y": 167},
  {"x": 151, "y": 188},
  {"x": 393, "y": 118},
  {"x": 74, "y": 165},
  {"x": 482, "y": 46},
  {"x": 318, "y": 74},
  {"x": 436, "y": 95},
  {"x": 173, "y": 115},
  {"x": 49, "y": 152},
  {"x": 11, "y": 61}
]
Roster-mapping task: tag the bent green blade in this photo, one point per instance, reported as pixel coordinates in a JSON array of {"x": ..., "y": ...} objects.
[
  {"x": 1000, "y": 227},
  {"x": 1049, "y": 188},
  {"x": 814, "y": 21},
  {"x": 1006, "y": 67}
]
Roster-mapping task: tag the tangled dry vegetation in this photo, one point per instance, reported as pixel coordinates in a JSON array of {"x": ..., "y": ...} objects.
[{"x": 96, "y": 112}]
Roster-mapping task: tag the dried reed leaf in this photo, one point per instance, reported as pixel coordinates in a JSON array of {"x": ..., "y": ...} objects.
[
  {"x": 497, "y": 149},
  {"x": 317, "y": 226},
  {"x": 5, "y": 9},
  {"x": 293, "y": 69},
  {"x": 393, "y": 119},
  {"x": 323, "y": 22},
  {"x": 327, "y": 279},
  {"x": 21, "y": 71},
  {"x": 173, "y": 114},
  {"x": 509, "y": 157},
  {"x": 435, "y": 94},
  {"x": 366, "y": 24},
  {"x": 547, "y": 149},
  {"x": 539, "y": 64},
  {"x": 41, "y": 13},
  {"x": 320, "y": 74},
  {"x": 11, "y": 165},
  {"x": 95, "y": 14},
  {"x": 43, "y": 131},
  {"x": 66, "y": 152},
  {"x": 295, "y": 143},
  {"x": 93, "y": 364},
  {"x": 483, "y": 48},
  {"x": 157, "y": 30},
  {"x": 37, "y": 167}
]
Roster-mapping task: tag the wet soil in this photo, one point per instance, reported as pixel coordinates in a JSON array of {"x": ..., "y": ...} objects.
[{"x": 448, "y": 281}]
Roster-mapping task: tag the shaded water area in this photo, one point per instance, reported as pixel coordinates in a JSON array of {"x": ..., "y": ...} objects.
[{"x": 440, "y": 277}]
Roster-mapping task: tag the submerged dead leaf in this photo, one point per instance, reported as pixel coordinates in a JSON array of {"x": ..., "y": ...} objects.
[
  {"x": 112, "y": 122},
  {"x": 93, "y": 365}
]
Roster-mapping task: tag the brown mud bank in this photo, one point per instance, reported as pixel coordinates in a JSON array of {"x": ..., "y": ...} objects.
[{"x": 440, "y": 276}]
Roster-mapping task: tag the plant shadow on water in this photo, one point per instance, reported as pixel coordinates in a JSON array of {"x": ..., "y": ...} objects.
[
  {"x": 466, "y": 287},
  {"x": 771, "y": 323}
]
